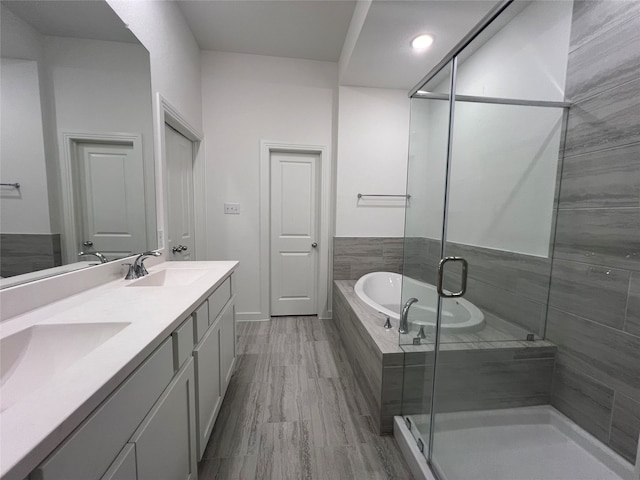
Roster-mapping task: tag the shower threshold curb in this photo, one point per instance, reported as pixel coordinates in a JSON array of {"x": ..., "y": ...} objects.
[{"x": 414, "y": 458}]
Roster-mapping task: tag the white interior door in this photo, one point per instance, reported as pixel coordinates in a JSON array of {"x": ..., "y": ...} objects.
[
  {"x": 111, "y": 198},
  {"x": 179, "y": 154},
  {"x": 294, "y": 233}
]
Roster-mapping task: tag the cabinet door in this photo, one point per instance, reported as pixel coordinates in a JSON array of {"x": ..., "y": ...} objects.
[
  {"x": 165, "y": 441},
  {"x": 227, "y": 345},
  {"x": 208, "y": 392},
  {"x": 124, "y": 466}
]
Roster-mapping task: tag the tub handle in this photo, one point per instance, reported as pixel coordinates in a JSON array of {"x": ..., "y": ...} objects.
[{"x": 463, "y": 287}]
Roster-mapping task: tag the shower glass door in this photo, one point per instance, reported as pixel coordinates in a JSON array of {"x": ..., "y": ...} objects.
[
  {"x": 485, "y": 142},
  {"x": 507, "y": 120},
  {"x": 426, "y": 179}
]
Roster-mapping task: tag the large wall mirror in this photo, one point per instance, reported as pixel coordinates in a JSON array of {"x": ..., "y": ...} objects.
[{"x": 76, "y": 146}]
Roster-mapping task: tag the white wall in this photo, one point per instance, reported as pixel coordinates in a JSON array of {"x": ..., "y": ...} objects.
[
  {"x": 174, "y": 52},
  {"x": 526, "y": 59},
  {"x": 22, "y": 156},
  {"x": 373, "y": 141},
  {"x": 21, "y": 41},
  {"x": 504, "y": 162},
  {"x": 175, "y": 70},
  {"x": 249, "y": 98}
]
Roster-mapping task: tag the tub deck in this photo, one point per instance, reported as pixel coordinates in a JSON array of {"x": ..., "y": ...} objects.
[{"x": 501, "y": 373}]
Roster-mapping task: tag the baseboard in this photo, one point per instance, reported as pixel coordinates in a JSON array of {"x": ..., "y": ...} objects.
[{"x": 251, "y": 317}]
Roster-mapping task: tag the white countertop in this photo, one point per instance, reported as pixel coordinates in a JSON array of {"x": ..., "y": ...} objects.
[{"x": 32, "y": 427}]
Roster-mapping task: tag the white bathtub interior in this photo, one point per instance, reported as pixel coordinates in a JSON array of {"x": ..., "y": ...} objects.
[
  {"x": 518, "y": 444},
  {"x": 383, "y": 291}
]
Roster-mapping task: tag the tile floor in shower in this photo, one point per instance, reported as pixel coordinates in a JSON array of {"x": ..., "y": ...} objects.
[{"x": 530, "y": 443}]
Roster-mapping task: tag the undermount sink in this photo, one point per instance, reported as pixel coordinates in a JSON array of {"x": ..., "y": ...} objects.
[
  {"x": 33, "y": 356},
  {"x": 171, "y": 277}
]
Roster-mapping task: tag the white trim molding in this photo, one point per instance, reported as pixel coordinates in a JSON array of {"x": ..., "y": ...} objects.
[
  {"x": 266, "y": 147},
  {"x": 170, "y": 115}
]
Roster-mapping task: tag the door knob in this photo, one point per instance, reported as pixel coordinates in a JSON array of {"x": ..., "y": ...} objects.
[
  {"x": 183, "y": 248},
  {"x": 87, "y": 243},
  {"x": 176, "y": 249},
  {"x": 314, "y": 244}
]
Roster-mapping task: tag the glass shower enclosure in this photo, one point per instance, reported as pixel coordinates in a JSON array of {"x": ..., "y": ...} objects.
[{"x": 485, "y": 150}]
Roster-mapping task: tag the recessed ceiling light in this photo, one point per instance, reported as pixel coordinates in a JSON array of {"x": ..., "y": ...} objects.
[{"x": 422, "y": 41}]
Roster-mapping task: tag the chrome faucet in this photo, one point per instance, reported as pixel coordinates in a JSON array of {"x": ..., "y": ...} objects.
[
  {"x": 100, "y": 256},
  {"x": 404, "y": 320},
  {"x": 137, "y": 268}
]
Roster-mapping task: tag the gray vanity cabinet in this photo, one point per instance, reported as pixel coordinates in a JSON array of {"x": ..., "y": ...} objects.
[
  {"x": 209, "y": 394},
  {"x": 227, "y": 346},
  {"x": 164, "y": 442},
  {"x": 124, "y": 466},
  {"x": 156, "y": 424},
  {"x": 214, "y": 357}
]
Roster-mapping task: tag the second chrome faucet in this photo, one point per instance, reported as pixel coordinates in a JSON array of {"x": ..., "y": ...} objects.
[{"x": 137, "y": 268}]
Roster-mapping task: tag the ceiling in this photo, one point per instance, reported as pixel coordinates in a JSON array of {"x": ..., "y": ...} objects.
[
  {"x": 61, "y": 18},
  {"x": 380, "y": 56}
]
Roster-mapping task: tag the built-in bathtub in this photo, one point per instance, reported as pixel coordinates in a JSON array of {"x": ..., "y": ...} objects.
[
  {"x": 393, "y": 379},
  {"x": 383, "y": 291}
]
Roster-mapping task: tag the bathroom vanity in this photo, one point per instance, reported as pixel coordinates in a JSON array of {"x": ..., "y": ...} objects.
[{"x": 122, "y": 381}]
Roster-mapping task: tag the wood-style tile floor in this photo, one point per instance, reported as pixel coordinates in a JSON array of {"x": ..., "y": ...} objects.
[{"x": 294, "y": 411}]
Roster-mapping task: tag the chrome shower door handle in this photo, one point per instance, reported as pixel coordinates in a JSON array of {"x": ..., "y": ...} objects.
[{"x": 463, "y": 287}]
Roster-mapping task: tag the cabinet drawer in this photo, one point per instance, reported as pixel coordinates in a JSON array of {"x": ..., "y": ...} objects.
[
  {"x": 182, "y": 343},
  {"x": 89, "y": 451},
  {"x": 201, "y": 321},
  {"x": 124, "y": 466},
  {"x": 218, "y": 299}
]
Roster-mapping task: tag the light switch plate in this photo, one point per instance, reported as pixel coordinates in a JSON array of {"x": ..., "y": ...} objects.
[{"x": 232, "y": 208}]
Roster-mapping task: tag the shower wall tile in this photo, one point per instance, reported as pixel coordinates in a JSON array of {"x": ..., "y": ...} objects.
[
  {"x": 357, "y": 256},
  {"x": 495, "y": 384},
  {"x": 619, "y": 61},
  {"x": 584, "y": 400},
  {"x": 632, "y": 320},
  {"x": 507, "y": 306},
  {"x": 607, "y": 120},
  {"x": 600, "y": 236},
  {"x": 607, "y": 178},
  {"x": 625, "y": 426},
  {"x": 592, "y": 19},
  {"x": 608, "y": 355},
  {"x": 594, "y": 292}
]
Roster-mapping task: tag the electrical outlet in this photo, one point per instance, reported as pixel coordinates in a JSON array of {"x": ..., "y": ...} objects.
[{"x": 232, "y": 208}]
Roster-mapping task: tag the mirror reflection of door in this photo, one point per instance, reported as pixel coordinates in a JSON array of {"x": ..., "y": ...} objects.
[
  {"x": 110, "y": 203},
  {"x": 179, "y": 154}
]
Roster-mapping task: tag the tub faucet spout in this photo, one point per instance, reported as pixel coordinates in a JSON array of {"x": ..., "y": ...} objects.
[{"x": 404, "y": 316}]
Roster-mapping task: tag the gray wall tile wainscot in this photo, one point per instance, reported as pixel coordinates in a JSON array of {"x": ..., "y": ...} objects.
[
  {"x": 594, "y": 313},
  {"x": 511, "y": 286},
  {"x": 25, "y": 252},
  {"x": 357, "y": 256}
]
